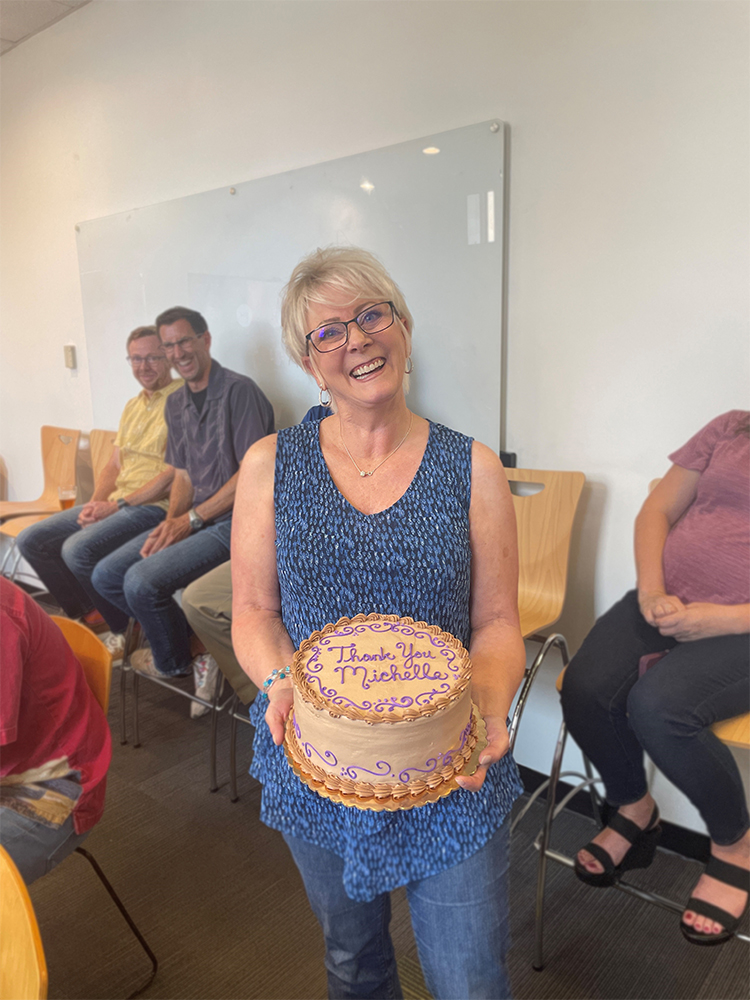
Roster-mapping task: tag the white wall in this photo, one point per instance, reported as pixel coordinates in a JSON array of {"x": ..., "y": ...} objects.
[{"x": 628, "y": 296}]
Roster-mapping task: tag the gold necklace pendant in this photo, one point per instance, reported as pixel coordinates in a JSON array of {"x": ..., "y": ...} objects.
[{"x": 364, "y": 473}]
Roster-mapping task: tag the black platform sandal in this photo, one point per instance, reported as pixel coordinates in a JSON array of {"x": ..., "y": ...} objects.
[
  {"x": 640, "y": 855},
  {"x": 738, "y": 878}
]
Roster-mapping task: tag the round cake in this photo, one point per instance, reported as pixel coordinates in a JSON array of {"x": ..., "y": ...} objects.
[{"x": 382, "y": 715}]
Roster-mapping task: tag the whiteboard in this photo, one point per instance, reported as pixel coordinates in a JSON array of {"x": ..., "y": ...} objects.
[{"x": 437, "y": 221}]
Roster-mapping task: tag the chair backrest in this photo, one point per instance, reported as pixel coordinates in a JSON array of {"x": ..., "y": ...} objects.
[
  {"x": 59, "y": 452},
  {"x": 101, "y": 446},
  {"x": 23, "y": 969},
  {"x": 545, "y": 523},
  {"x": 93, "y": 656}
]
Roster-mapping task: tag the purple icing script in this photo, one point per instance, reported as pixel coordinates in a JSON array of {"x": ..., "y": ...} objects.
[{"x": 439, "y": 662}]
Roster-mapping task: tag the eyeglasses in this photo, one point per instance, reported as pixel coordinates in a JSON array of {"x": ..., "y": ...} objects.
[
  {"x": 373, "y": 319},
  {"x": 169, "y": 349},
  {"x": 150, "y": 359}
]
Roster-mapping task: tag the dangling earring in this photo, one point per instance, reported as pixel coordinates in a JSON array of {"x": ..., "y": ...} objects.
[
  {"x": 324, "y": 402},
  {"x": 409, "y": 366}
]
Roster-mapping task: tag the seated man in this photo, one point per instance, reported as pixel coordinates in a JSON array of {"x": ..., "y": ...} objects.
[
  {"x": 213, "y": 419},
  {"x": 207, "y": 604},
  {"x": 55, "y": 740},
  {"x": 128, "y": 497}
]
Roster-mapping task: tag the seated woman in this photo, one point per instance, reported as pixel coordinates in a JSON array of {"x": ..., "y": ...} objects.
[
  {"x": 375, "y": 509},
  {"x": 692, "y": 547}
]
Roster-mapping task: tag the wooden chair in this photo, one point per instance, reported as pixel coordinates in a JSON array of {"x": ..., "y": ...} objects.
[
  {"x": 96, "y": 661},
  {"x": 59, "y": 450},
  {"x": 545, "y": 524},
  {"x": 101, "y": 446},
  {"x": 23, "y": 969},
  {"x": 93, "y": 656}
]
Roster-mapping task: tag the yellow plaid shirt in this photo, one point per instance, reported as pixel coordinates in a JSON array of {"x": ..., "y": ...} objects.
[{"x": 142, "y": 440}]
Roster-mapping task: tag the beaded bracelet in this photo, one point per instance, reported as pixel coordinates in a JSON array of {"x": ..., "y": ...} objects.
[{"x": 275, "y": 675}]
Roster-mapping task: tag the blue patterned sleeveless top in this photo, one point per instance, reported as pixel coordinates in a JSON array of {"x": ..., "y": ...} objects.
[{"x": 412, "y": 559}]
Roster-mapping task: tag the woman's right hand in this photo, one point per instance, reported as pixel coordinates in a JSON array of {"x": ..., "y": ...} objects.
[
  {"x": 280, "y": 699},
  {"x": 656, "y": 605}
]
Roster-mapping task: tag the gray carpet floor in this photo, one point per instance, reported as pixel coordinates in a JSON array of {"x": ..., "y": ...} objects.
[{"x": 220, "y": 902}]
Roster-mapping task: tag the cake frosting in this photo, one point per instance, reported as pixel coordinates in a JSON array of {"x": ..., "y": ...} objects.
[{"x": 382, "y": 714}]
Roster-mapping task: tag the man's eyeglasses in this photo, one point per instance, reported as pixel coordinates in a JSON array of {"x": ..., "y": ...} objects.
[
  {"x": 150, "y": 359},
  {"x": 169, "y": 349},
  {"x": 373, "y": 319}
]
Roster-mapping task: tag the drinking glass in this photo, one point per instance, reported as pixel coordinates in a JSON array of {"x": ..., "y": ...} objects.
[{"x": 67, "y": 496}]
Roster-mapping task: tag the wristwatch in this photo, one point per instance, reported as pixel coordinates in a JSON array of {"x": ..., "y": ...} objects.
[
  {"x": 196, "y": 521},
  {"x": 121, "y": 502}
]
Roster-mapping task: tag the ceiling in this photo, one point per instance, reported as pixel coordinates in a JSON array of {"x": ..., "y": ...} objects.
[{"x": 20, "y": 19}]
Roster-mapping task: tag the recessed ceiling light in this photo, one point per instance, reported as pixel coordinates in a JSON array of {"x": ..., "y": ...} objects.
[
  {"x": 367, "y": 186},
  {"x": 430, "y": 150}
]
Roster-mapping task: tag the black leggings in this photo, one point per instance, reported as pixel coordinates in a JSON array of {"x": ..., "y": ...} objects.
[{"x": 613, "y": 716}]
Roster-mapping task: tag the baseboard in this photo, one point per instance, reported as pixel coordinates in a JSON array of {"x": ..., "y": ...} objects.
[{"x": 674, "y": 837}]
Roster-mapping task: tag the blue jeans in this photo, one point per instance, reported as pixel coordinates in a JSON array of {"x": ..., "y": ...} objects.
[
  {"x": 459, "y": 917},
  {"x": 614, "y": 716},
  {"x": 145, "y": 588},
  {"x": 63, "y": 555},
  {"x": 37, "y": 847}
]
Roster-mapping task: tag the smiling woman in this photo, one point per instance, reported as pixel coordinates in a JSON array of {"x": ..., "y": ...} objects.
[{"x": 375, "y": 509}]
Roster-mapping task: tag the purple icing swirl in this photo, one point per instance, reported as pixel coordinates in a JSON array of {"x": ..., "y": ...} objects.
[
  {"x": 440, "y": 760},
  {"x": 327, "y": 757},
  {"x": 383, "y": 769}
]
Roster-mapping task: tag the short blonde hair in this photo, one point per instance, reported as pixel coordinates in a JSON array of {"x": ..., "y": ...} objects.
[{"x": 348, "y": 270}]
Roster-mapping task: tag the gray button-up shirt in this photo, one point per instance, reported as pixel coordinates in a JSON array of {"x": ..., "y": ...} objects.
[{"x": 210, "y": 446}]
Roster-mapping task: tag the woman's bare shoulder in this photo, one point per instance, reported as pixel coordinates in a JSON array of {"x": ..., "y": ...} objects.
[
  {"x": 263, "y": 452},
  {"x": 259, "y": 462},
  {"x": 485, "y": 463}
]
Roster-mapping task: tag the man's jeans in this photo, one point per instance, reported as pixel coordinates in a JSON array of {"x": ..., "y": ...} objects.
[
  {"x": 145, "y": 588},
  {"x": 63, "y": 555},
  {"x": 459, "y": 917},
  {"x": 37, "y": 847}
]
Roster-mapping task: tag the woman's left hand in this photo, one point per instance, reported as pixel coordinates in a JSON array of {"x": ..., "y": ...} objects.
[
  {"x": 702, "y": 620},
  {"x": 497, "y": 747}
]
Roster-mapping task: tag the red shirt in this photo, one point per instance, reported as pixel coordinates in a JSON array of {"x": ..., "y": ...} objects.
[
  {"x": 707, "y": 553},
  {"x": 47, "y": 710}
]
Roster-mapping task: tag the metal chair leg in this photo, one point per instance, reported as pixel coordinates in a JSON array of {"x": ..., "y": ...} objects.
[
  {"x": 136, "y": 734},
  {"x": 213, "y": 783},
  {"x": 131, "y": 923},
  {"x": 128, "y": 649},
  {"x": 556, "y": 640},
  {"x": 10, "y": 550},
  {"x": 16, "y": 562},
  {"x": 597, "y": 802},
  {"x": 234, "y": 796},
  {"x": 544, "y": 845},
  {"x": 124, "y": 671}
]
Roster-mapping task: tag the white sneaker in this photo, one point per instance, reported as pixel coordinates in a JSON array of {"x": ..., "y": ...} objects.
[
  {"x": 142, "y": 660},
  {"x": 115, "y": 643},
  {"x": 205, "y": 674}
]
